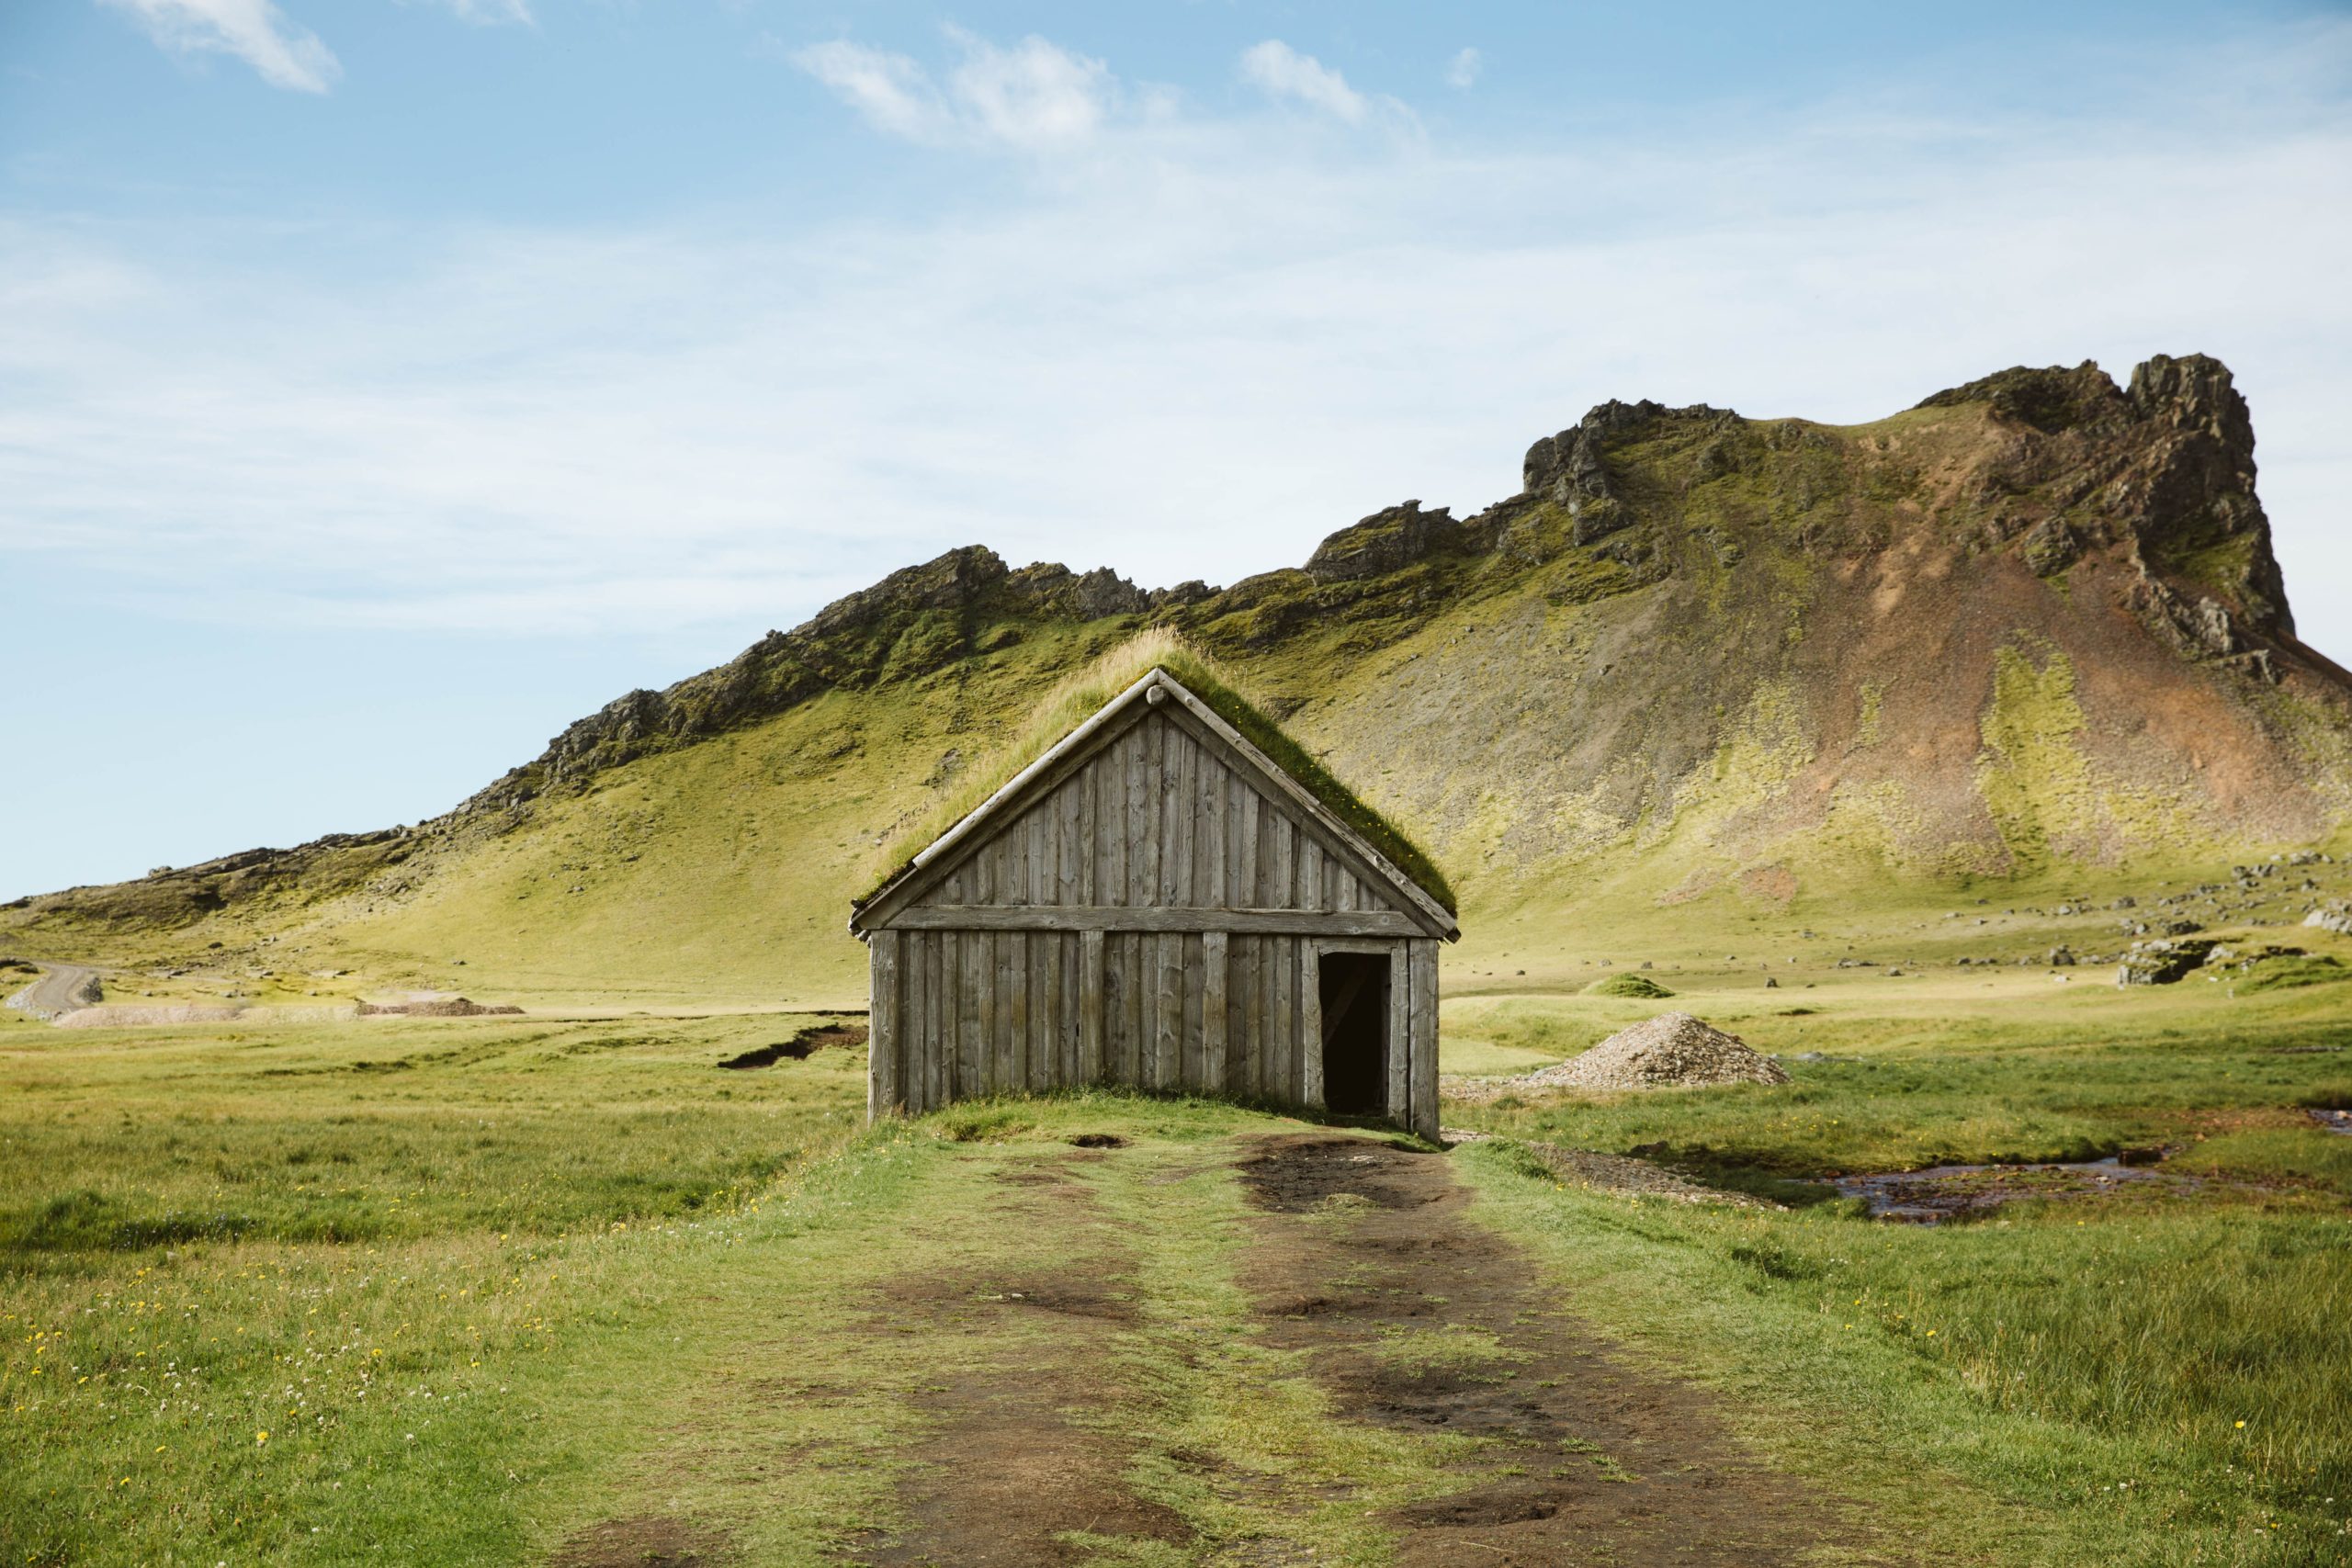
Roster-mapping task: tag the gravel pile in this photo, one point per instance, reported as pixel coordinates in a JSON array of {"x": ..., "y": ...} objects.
[{"x": 1671, "y": 1049}]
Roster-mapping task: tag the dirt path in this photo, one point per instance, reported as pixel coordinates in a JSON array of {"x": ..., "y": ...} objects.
[
  {"x": 1013, "y": 1469},
  {"x": 1414, "y": 1315},
  {"x": 63, "y": 988},
  {"x": 1363, "y": 1259}
]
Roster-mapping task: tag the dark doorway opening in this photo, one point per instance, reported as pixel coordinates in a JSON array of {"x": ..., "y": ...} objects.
[{"x": 1354, "y": 989}]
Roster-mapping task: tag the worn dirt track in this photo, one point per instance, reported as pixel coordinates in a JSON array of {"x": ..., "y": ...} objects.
[
  {"x": 1011, "y": 1469},
  {"x": 1362, "y": 1249},
  {"x": 1586, "y": 1460}
]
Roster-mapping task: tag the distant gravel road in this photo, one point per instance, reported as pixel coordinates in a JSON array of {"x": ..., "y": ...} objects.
[{"x": 63, "y": 989}]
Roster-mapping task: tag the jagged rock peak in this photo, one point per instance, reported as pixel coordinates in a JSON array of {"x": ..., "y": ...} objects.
[
  {"x": 2195, "y": 391},
  {"x": 1568, "y": 467},
  {"x": 1389, "y": 540},
  {"x": 2050, "y": 397},
  {"x": 945, "y": 582}
]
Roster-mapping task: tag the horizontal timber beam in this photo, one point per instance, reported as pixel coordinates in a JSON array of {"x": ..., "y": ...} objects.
[{"x": 1108, "y": 918}]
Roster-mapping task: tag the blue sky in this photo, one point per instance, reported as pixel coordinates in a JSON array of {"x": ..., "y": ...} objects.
[{"x": 387, "y": 384}]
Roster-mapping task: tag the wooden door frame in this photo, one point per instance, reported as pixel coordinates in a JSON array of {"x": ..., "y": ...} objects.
[{"x": 1311, "y": 1029}]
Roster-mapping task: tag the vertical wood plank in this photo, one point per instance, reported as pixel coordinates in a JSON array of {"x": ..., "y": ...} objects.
[
  {"x": 1400, "y": 1104},
  {"x": 971, "y": 1015},
  {"x": 1090, "y": 1007},
  {"x": 1269, "y": 1049},
  {"x": 1310, "y": 1025},
  {"x": 1168, "y": 1009},
  {"x": 1284, "y": 1056},
  {"x": 1035, "y": 825},
  {"x": 1143, "y": 975},
  {"x": 1012, "y": 1015},
  {"x": 882, "y": 1025},
  {"x": 1082, "y": 833},
  {"x": 1310, "y": 873},
  {"x": 1213, "y": 1042},
  {"x": 1282, "y": 855},
  {"x": 940, "y": 1051},
  {"x": 914, "y": 1079},
  {"x": 1422, "y": 964},
  {"x": 1142, "y": 874},
  {"x": 950, "y": 1014},
  {"x": 1210, "y": 801},
  {"x": 1044, "y": 1009},
  {"x": 939, "y": 1046},
  {"x": 1175, "y": 817},
  {"x": 1072, "y": 1021},
  {"x": 1110, "y": 823},
  {"x": 1238, "y": 1007},
  {"x": 1245, "y": 873},
  {"x": 1157, "y": 732},
  {"x": 1114, "y": 1007},
  {"x": 1011, "y": 867}
]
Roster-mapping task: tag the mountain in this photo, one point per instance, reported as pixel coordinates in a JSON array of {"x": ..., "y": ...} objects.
[{"x": 1700, "y": 668}]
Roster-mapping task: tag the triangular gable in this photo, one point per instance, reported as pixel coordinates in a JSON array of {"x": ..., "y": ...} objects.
[{"x": 1084, "y": 744}]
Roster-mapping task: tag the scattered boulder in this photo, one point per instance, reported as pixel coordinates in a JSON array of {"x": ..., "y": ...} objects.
[
  {"x": 2062, "y": 957},
  {"x": 2163, "y": 959},
  {"x": 2335, "y": 915}
]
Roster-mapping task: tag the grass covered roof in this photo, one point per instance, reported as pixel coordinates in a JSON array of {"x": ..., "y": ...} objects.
[{"x": 1084, "y": 693}]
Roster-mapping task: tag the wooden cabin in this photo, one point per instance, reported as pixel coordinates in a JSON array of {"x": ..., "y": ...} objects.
[{"x": 1156, "y": 902}]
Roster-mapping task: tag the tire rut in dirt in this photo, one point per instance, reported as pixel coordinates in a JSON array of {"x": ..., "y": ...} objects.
[
  {"x": 1008, "y": 1469},
  {"x": 1586, "y": 1461}
]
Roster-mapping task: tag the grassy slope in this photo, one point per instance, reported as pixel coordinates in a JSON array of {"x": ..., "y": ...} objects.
[
  {"x": 558, "y": 1268},
  {"x": 1741, "y": 747}
]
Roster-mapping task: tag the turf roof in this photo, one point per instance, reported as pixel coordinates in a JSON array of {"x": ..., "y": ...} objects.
[{"x": 1084, "y": 693}]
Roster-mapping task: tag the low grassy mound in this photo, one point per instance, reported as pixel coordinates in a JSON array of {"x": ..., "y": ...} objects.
[
  {"x": 2286, "y": 973},
  {"x": 1628, "y": 984}
]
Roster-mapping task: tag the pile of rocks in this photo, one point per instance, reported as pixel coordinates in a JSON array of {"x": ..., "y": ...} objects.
[{"x": 1671, "y": 1049}]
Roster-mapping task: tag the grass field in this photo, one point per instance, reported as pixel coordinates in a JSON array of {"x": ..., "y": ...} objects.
[{"x": 280, "y": 1292}]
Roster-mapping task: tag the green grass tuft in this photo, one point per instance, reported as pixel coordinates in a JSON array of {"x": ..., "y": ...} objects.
[{"x": 1638, "y": 985}]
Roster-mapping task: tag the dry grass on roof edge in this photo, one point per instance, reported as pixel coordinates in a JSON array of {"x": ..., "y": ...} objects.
[{"x": 1081, "y": 694}]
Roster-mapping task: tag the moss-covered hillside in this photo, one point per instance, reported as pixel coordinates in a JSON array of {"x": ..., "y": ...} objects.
[{"x": 2032, "y": 629}]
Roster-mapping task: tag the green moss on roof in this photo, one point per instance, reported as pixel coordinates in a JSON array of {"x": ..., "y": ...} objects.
[{"x": 1083, "y": 695}]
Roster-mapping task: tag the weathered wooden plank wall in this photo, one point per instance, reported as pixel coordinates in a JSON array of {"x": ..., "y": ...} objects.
[
  {"x": 958, "y": 1014},
  {"x": 1157, "y": 820},
  {"x": 1154, "y": 917}
]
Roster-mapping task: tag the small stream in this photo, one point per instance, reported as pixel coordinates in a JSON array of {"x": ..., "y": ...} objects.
[{"x": 1945, "y": 1192}]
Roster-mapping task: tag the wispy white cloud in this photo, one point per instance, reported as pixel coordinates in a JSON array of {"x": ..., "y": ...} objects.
[
  {"x": 1283, "y": 73},
  {"x": 285, "y": 54},
  {"x": 1189, "y": 354},
  {"x": 891, "y": 91},
  {"x": 1462, "y": 70},
  {"x": 1034, "y": 96}
]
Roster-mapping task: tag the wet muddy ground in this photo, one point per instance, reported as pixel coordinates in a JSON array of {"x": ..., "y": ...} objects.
[
  {"x": 1414, "y": 1315},
  {"x": 1948, "y": 1191},
  {"x": 1016, "y": 1463},
  {"x": 1363, "y": 1258}
]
